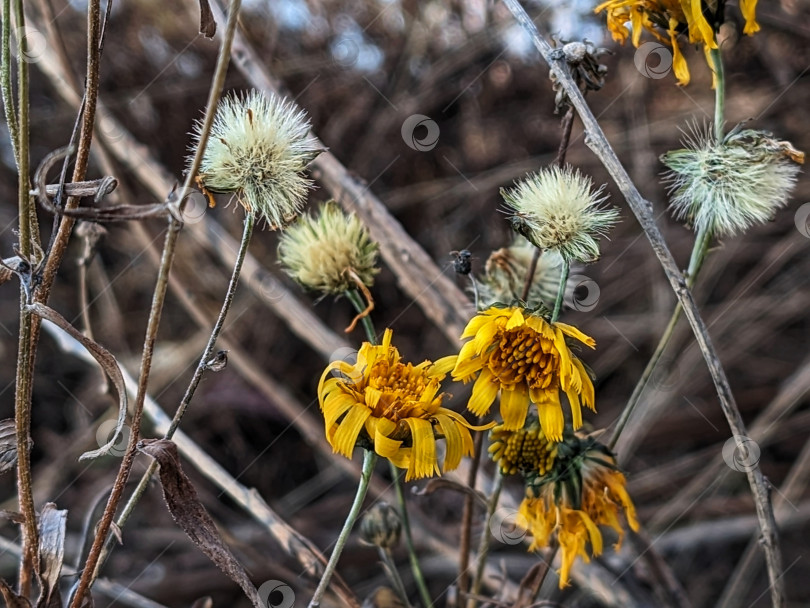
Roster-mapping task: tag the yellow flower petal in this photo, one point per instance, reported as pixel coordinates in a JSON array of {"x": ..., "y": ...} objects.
[
  {"x": 514, "y": 407},
  {"x": 484, "y": 392},
  {"x": 349, "y": 428},
  {"x": 456, "y": 446},
  {"x": 679, "y": 64},
  {"x": 423, "y": 453},
  {"x": 587, "y": 393},
  {"x": 516, "y": 320},
  {"x": 551, "y": 419},
  {"x": 748, "y": 8},
  {"x": 573, "y": 332},
  {"x": 442, "y": 367}
]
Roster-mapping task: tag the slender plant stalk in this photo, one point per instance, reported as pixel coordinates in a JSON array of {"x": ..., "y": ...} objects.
[
  {"x": 699, "y": 250},
  {"x": 158, "y": 299},
  {"x": 5, "y": 82},
  {"x": 354, "y": 297},
  {"x": 483, "y": 543},
  {"x": 467, "y": 515},
  {"x": 642, "y": 209},
  {"x": 566, "y": 267},
  {"x": 137, "y": 494},
  {"x": 369, "y": 459},
  {"x": 393, "y": 574}
]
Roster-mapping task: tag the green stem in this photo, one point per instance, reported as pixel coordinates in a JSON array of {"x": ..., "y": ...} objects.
[
  {"x": 416, "y": 569},
  {"x": 483, "y": 543},
  {"x": 393, "y": 575},
  {"x": 699, "y": 250},
  {"x": 719, "y": 92},
  {"x": 369, "y": 459},
  {"x": 368, "y": 325},
  {"x": 5, "y": 82},
  {"x": 129, "y": 507},
  {"x": 354, "y": 297},
  {"x": 566, "y": 267}
]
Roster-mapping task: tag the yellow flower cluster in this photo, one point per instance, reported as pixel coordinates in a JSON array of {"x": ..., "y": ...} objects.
[{"x": 667, "y": 20}]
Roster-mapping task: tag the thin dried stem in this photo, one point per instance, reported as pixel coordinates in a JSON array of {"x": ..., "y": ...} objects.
[
  {"x": 642, "y": 209},
  {"x": 369, "y": 304},
  {"x": 158, "y": 299}
]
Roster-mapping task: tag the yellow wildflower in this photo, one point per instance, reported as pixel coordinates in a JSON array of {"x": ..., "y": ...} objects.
[
  {"x": 585, "y": 490},
  {"x": 668, "y": 19},
  {"x": 528, "y": 360},
  {"x": 522, "y": 450},
  {"x": 394, "y": 408}
]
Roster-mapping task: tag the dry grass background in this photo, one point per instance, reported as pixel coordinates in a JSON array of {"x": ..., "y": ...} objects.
[{"x": 494, "y": 110}]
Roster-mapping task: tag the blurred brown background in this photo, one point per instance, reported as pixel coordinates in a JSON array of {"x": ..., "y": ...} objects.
[{"x": 360, "y": 68}]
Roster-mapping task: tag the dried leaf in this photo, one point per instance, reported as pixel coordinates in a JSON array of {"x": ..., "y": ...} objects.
[
  {"x": 12, "y": 599},
  {"x": 51, "y": 554},
  {"x": 14, "y": 517},
  {"x": 189, "y": 513},
  {"x": 8, "y": 445},
  {"x": 208, "y": 26},
  {"x": 107, "y": 363}
]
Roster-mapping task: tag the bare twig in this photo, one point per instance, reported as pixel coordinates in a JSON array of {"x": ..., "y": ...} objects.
[{"x": 642, "y": 209}]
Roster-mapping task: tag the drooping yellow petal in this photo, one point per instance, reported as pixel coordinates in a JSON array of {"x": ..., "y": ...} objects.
[
  {"x": 587, "y": 393},
  {"x": 748, "y": 8},
  {"x": 346, "y": 435},
  {"x": 423, "y": 454},
  {"x": 551, "y": 419},
  {"x": 679, "y": 64},
  {"x": 516, "y": 320},
  {"x": 442, "y": 367},
  {"x": 514, "y": 407},
  {"x": 484, "y": 392},
  {"x": 573, "y": 332},
  {"x": 455, "y": 448}
]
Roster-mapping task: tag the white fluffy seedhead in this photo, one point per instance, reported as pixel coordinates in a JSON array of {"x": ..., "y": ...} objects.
[
  {"x": 562, "y": 212},
  {"x": 259, "y": 148},
  {"x": 726, "y": 187}
]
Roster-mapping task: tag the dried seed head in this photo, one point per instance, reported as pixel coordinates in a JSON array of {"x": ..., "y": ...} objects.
[
  {"x": 381, "y": 526},
  {"x": 560, "y": 211},
  {"x": 330, "y": 252},
  {"x": 726, "y": 187},
  {"x": 506, "y": 271},
  {"x": 258, "y": 148}
]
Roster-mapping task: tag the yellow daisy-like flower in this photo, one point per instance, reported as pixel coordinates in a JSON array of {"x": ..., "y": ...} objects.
[
  {"x": 585, "y": 490},
  {"x": 528, "y": 360},
  {"x": 668, "y": 19},
  {"x": 525, "y": 449},
  {"x": 394, "y": 408}
]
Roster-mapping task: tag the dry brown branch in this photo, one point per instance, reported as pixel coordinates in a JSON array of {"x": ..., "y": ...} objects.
[{"x": 642, "y": 209}]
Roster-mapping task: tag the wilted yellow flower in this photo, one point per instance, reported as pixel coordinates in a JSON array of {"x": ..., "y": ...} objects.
[
  {"x": 528, "y": 360},
  {"x": 583, "y": 491},
  {"x": 258, "y": 149},
  {"x": 522, "y": 450},
  {"x": 329, "y": 253},
  {"x": 668, "y": 19},
  {"x": 559, "y": 211},
  {"x": 394, "y": 408},
  {"x": 726, "y": 187}
]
